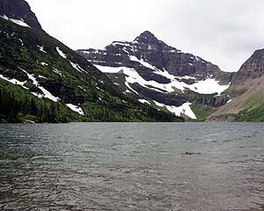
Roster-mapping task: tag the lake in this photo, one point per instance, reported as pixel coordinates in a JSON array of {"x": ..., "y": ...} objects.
[{"x": 132, "y": 166}]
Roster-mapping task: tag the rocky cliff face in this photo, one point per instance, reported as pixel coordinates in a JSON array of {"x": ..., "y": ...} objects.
[
  {"x": 158, "y": 74},
  {"x": 246, "y": 92},
  {"x": 157, "y": 53},
  {"x": 19, "y": 10},
  {"x": 253, "y": 68}
]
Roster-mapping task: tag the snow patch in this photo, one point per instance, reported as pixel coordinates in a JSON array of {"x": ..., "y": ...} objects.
[
  {"x": 44, "y": 64},
  {"x": 20, "y": 22},
  {"x": 41, "y": 76},
  {"x": 106, "y": 69},
  {"x": 121, "y": 43},
  {"x": 46, "y": 93},
  {"x": 186, "y": 77},
  {"x": 96, "y": 61},
  {"x": 41, "y": 49},
  {"x": 207, "y": 86},
  {"x": 77, "y": 67},
  {"x": 141, "y": 61},
  {"x": 63, "y": 55},
  {"x": 144, "y": 101},
  {"x": 229, "y": 101},
  {"x": 130, "y": 88},
  {"x": 57, "y": 71},
  {"x": 14, "y": 81},
  {"x": 184, "y": 109},
  {"x": 21, "y": 41},
  {"x": 75, "y": 108}
]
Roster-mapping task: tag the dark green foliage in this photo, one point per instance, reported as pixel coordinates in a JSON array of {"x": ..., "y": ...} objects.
[
  {"x": 18, "y": 106},
  {"x": 254, "y": 110},
  {"x": 88, "y": 87},
  {"x": 201, "y": 111},
  {"x": 255, "y": 115}
]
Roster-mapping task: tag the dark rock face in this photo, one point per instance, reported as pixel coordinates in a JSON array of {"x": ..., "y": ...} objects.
[
  {"x": 161, "y": 65},
  {"x": 157, "y": 53},
  {"x": 173, "y": 100},
  {"x": 253, "y": 68},
  {"x": 19, "y": 9},
  {"x": 214, "y": 101}
]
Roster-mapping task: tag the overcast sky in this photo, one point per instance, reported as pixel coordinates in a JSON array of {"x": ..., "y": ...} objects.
[{"x": 224, "y": 32}]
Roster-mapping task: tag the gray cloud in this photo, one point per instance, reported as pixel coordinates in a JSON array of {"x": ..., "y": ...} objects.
[{"x": 224, "y": 32}]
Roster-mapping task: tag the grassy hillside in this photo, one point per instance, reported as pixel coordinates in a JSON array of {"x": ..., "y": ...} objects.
[{"x": 247, "y": 102}]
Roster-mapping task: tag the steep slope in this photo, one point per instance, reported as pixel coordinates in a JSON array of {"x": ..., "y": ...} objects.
[
  {"x": 19, "y": 12},
  {"x": 162, "y": 76},
  {"x": 43, "y": 80},
  {"x": 246, "y": 93}
]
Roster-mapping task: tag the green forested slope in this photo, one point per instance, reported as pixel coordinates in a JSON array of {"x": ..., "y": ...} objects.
[{"x": 37, "y": 64}]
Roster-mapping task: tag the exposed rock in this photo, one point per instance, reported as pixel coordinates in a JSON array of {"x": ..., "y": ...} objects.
[
  {"x": 157, "y": 53},
  {"x": 159, "y": 65},
  {"x": 246, "y": 93},
  {"x": 19, "y": 9},
  {"x": 213, "y": 101},
  {"x": 253, "y": 68}
]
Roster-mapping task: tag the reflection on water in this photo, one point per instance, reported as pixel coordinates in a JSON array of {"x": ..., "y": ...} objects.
[{"x": 132, "y": 166}]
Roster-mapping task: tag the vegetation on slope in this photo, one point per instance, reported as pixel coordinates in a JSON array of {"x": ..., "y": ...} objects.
[{"x": 72, "y": 79}]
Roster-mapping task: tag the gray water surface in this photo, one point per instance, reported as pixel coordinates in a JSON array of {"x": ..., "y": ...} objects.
[{"x": 132, "y": 166}]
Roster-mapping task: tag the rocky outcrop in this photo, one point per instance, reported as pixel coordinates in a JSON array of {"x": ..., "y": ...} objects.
[
  {"x": 19, "y": 9},
  {"x": 157, "y": 53},
  {"x": 214, "y": 101},
  {"x": 246, "y": 93},
  {"x": 156, "y": 73},
  {"x": 253, "y": 68}
]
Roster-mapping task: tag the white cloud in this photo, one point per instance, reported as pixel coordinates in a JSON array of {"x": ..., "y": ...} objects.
[{"x": 224, "y": 32}]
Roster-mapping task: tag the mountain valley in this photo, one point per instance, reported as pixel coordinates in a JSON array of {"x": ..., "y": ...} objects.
[{"x": 42, "y": 80}]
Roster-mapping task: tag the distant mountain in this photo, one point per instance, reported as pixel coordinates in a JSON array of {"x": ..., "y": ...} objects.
[
  {"x": 162, "y": 76},
  {"x": 253, "y": 68},
  {"x": 19, "y": 12},
  {"x": 246, "y": 93},
  {"x": 42, "y": 80}
]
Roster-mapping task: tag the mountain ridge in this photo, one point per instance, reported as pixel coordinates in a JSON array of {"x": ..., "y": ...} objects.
[
  {"x": 246, "y": 93},
  {"x": 185, "y": 63},
  {"x": 19, "y": 12},
  {"x": 166, "y": 77},
  {"x": 140, "y": 80},
  {"x": 42, "y": 80}
]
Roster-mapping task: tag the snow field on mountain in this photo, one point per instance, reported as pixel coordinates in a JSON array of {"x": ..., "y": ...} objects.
[
  {"x": 133, "y": 77},
  {"x": 75, "y": 108},
  {"x": 208, "y": 86},
  {"x": 14, "y": 81},
  {"x": 46, "y": 93},
  {"x": 184, "y": 109}
]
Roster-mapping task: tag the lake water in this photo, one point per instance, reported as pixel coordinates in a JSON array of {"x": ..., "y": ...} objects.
[{"x": 132, "y": 166}]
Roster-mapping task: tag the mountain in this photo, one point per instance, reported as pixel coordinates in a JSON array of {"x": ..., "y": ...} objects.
[
  {"x": 162, "y": 76},
  {"x": 19, "y": 12},
  {"x": 42, "y": 80},
  {"x": 246, "y": 93}
]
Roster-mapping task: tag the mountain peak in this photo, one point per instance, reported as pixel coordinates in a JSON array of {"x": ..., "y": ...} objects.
[
  {"x": 147, "y": 38},
  {"x": 19, "y": 10}
]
